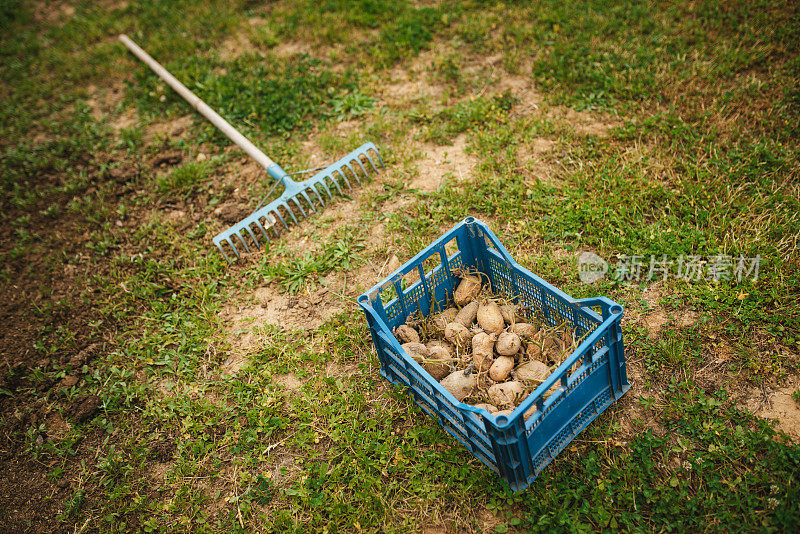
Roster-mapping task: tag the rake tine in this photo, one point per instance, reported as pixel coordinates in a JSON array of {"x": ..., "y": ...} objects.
[
  {"x": 244, "y": 243},
  {"x": 358, "y": 160},
  {"x": 278, "y": 213},
  {"x": 310, "y": 204},
  {"x": 344, "y": 178},
  {"x": 235, "y": 250},
  {"x": 380, "y": 158},
  {"x": 299, "y": 206},
  {"x": 335, "y": 182},
  {"x": 224, "y": 255},
  {"x": 313, "y": 187},
  {"x": 263, "y": 230},
  {"x": 253, "y": 236},
  {"x": 355, "y": 175},
  {"x": 324, "y": 184},
  {"x": 276, "y": 218},
  {"x": 374, "y": 168},
  {"x": 285, "y": 206}
]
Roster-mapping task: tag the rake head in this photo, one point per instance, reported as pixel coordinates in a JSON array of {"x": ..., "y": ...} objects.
[{"x": 296, "y": 199}]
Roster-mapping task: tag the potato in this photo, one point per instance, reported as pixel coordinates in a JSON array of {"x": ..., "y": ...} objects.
[
  {"x": 483, "y": 350},
  {"x": 416, "y": 350},
  {"x": 459, "y": 384},
  {"x": 533, "y": 350},
  {"x": 490, "y": 318},
  {"x": 501, "y": 368},
  {"x": 510, "y": 313},
  {"x": 467, "y": 314},
  {"x": 457, "y": 334},
  {"x": 488, "y": 407},
  {"x": 508, "y": 344},
  {"x": 438, "y": 363},
  {"x": 503, "y": 412},
  {"x": 441, "y": 343},
  {"x": 531, "y": 412},
  {"x": 523, "y": 329},
  {"x": 441, "y": 320},
  {"x": 437, "y": 352},
  {"x": 467, "y": 290},
  {"x": 506, "y": 394},
  {"x": 533, "y": 370},
  {"x": 406, "y": 334}
]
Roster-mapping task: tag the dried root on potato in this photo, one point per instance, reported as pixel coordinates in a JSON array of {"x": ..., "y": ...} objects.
[
  {"x": 441, "y": 320},
  {"x": 457, "y": 334}
]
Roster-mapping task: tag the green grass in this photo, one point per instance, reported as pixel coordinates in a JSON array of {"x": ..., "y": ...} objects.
[
  {"x": 216, "y": 416},
  {"x": 262, "y": 97},
  {"x": 297, "y": 272},
  {"x": 183, "y": 179}
]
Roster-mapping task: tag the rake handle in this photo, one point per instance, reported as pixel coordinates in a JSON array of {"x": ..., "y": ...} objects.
[{"x": 241, "y": 141}]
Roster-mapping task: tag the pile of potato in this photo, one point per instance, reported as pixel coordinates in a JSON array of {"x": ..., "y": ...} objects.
[{"x": 483, "y": 351}]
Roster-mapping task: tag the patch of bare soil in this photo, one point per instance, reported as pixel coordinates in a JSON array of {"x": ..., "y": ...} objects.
[
  {"x": 288, "y": 381},
  {"x": 170, "y": 129},
  {"x": 586, "y": 123},
  {"x": 291, "y": 48},
  {"x": 534, "y": 159},
  {"x": 235, "y": 45},
  {"x": 777, "y": 404},
  {"x": 335, "y": 370},
  {"x": 46, "y": 290},
  {"x": 410, "y": 84},
  {"x": 442, "y": 162},
  {"x": 655, "y": 317},
  {"x": 104, "y": 100},
  {"x": 52, "y": 13},
  {"x": 303, "y": 311}
]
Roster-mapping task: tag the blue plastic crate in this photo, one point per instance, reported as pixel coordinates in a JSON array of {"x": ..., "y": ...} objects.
[{"x": 587, "y": 382}]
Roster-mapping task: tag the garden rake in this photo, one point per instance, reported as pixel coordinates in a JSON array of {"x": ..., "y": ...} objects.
[{"x": 295, "y": 194}]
